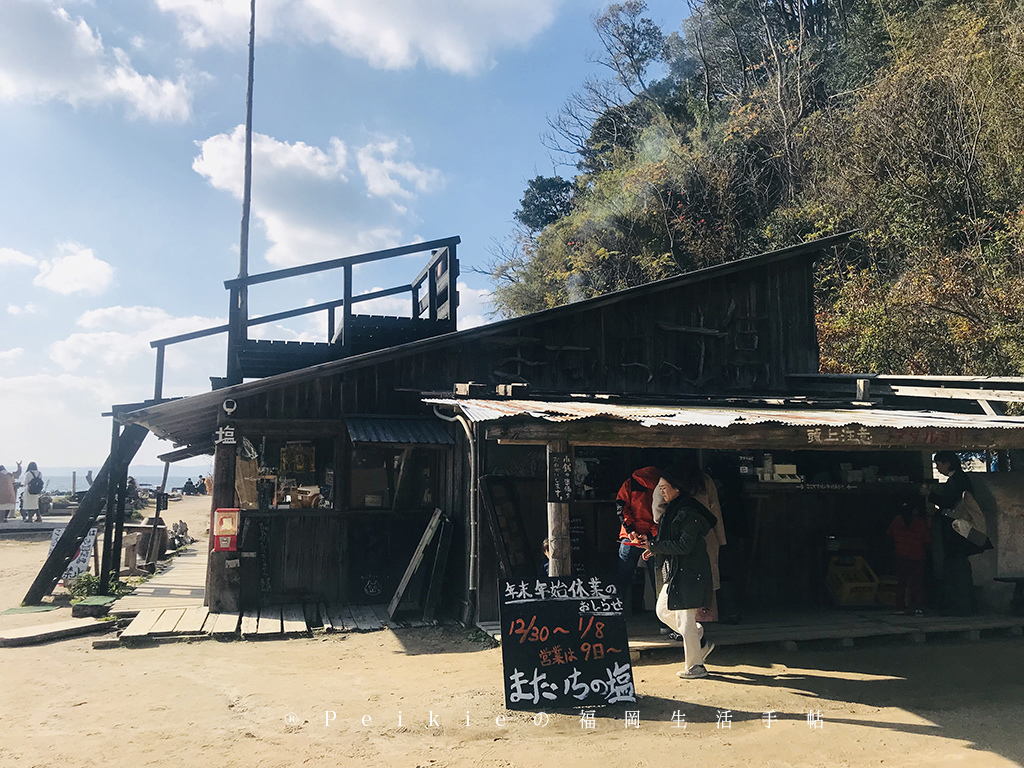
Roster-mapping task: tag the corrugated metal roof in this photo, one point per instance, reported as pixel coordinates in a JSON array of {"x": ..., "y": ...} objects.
[
  {"x": 397, "y": 431},
  {"x": 723, "y": 416}
]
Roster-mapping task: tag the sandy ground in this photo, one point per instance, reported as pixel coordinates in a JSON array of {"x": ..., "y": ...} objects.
[{"x": 337, "y": 700}]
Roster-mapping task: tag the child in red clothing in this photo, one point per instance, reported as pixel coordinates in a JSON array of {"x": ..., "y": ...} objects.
[{"x": 910, "y": 536}]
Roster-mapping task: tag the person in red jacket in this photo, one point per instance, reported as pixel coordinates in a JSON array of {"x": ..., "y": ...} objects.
[
  {"x": 633, "y": 504},
  {"x": 910, "y": 537}
]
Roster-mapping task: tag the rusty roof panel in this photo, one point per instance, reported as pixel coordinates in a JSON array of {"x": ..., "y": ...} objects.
[{"x": 723, "y": 416}]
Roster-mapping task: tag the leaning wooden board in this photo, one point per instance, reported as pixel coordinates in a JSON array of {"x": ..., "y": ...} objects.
[{"x": 57, "y": 631}]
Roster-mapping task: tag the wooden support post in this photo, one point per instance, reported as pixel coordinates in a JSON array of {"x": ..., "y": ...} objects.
[
  {"x": 346, "y": 309},
  {"x": 122, "y": 494},
  {"x": 222, "y": 571},
  {"x": 158, "y": 386},
  {"x": 237, "y": 332},
  {"x": 108, "y": 519},
  {"x": 432, "y": 292},
  {"x": 863, "y": 389},
  {"x": 559, "y": 545}
]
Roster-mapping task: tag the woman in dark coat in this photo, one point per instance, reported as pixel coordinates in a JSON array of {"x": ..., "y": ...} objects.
[{"x": 683, "y": 558}]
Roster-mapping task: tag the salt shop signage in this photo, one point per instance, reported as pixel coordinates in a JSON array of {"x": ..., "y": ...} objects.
[
  {"x": 564, "y": 644},
  {"x": 80, "y": 563}
]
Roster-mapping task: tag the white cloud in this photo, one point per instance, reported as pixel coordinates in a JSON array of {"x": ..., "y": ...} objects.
[
  {"x": 383, "y": 172},
  {"x": 28, "y": 309},
  {"x": 474, "y": 307},
  {"x": 51, "y": 417},
  {"x": 309, "y": 202},
  {"x": 120, "y": 336},
  {"x": 453, "y": 35},
  {"x": 47, "y": 55},
  {"x": 108, "y": 347},
  {"x": 222, "y": 157},
  {"x": 9, "y": 256},
  {"x": 391, "y": 306},
  {"x": 123, "y": 317},
  {"x": 78, "y": 271},
  {"x": 11, "y": 355}
]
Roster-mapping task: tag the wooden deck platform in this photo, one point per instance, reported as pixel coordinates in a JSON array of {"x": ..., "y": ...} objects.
[
  {"x": 843, "y": 627},
  {"x": 275, "y": 622},
  {"x": 14, "y": 528}
]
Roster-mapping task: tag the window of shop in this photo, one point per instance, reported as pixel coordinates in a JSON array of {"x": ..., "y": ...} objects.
[{"x": 384, "y": 477}]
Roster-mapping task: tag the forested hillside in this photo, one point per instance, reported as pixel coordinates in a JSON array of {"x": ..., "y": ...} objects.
[{"x": 761, "y": 123}]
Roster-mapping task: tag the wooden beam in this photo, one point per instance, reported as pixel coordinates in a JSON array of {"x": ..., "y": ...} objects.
[
  {"x": 992, "y": 410},
  {"x": 127, "y": 445},
  {"x": 947, "y": 393},
  {"x": 294, "y": 428},
  {"x": 414, "y": 563},
  {"x": 347, "y": 261},
  {"x": 559, "y": 544}
]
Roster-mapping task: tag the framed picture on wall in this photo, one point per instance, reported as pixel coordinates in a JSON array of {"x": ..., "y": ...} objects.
[{"x": 297, "y": 458}]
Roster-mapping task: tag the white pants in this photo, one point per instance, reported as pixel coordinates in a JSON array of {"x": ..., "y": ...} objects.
[{"x": 685, "y": 623}]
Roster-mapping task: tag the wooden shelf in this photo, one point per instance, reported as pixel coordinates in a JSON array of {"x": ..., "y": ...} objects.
[{"x": 854, "y": 488}]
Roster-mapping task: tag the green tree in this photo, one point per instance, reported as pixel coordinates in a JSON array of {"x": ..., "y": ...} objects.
[{"x": 546, "y": 199}]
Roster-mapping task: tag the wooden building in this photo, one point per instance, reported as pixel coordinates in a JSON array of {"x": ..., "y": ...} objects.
[{"x": 524, "y": 429}]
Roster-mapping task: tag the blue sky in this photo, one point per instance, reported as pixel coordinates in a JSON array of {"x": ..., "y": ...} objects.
[{"x": 376, "y": 124}]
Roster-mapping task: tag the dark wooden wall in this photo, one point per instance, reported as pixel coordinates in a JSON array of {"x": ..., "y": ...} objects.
[{"x": 736, "y": 333}]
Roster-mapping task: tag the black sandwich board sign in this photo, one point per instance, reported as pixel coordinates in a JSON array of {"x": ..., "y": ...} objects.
[{"x": 564, "y": 644}]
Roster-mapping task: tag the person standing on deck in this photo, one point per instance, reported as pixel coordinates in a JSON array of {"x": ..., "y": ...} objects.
[
  {"x": 683, "y": 558},
  {"x": 910, "y": 536},
  {"x": 633, "y": 504},
  {"x": 30, "y": 496},
  {"x": 950, "y": 552},
  {"x": 8, "y": 493}
]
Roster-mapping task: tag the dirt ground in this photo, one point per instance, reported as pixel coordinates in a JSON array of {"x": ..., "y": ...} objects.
[{"x": 337, "y": 700}]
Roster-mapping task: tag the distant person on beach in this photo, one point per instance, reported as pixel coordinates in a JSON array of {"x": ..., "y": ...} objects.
[
  {"x": 30, "y": 496},
  {"x": 201, "y": 486},
  {"x": 8, "y": 493},
  {"x": 189, "y": 489}
]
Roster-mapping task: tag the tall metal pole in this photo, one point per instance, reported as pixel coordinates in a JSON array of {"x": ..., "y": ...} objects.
[{"x": 238, "y": 323}]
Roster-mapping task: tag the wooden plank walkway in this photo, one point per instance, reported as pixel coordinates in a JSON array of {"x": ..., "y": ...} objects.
[
  {"x": 181, "y": 585},
  {"x": 278, "y": 621},
  {"x": 270, "y": 621},
  {"x": 294, "y": 620}
]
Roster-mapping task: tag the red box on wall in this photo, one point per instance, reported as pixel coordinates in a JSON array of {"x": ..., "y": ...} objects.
[{"x": 225, "y": 530}]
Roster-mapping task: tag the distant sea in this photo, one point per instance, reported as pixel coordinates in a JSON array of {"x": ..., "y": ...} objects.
[{"x": 58, "y": 480}]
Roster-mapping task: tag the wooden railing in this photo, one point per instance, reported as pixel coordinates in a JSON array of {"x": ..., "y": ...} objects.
[{"x": 433, "y": 296}]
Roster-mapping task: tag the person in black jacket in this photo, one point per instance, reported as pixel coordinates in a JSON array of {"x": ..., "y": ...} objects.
[
  {"x": 684, "y": 562},
  {"x": 950, "y": 550}
]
